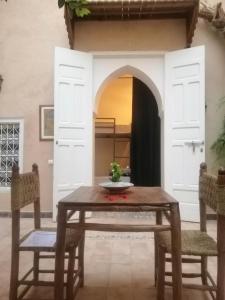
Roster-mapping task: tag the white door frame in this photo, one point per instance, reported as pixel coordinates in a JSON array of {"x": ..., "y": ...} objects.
[{"x": 109, "y": 65}]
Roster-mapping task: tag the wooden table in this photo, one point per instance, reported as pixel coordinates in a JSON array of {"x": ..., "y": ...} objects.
[{"x": 136, "y": 199}]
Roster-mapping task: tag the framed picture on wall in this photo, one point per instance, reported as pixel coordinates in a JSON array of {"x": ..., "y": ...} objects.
[{"x": 46, "y": 122}]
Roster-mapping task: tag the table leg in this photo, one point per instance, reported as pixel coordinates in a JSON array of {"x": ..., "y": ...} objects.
[
  {"x": 60, "y": 252},
  {"x": 221, "y": 258},
  {"x": 81, "y": 248},
  {"x": 176, "y": 251}
]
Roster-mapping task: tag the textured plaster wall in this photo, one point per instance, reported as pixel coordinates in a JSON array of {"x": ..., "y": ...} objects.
[
  {"x": 130, "y": 35},
  {"x": 215, "y": 84},
  {"x": 29, "y": 31}
]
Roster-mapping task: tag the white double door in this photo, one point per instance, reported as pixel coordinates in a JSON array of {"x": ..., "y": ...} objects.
[{"x": 184, "y": 109}]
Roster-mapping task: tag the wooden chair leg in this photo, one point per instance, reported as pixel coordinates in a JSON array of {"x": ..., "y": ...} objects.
[
  {"x": 158, "y": 222},
  {"x": 161, "y": 273},
  {"x": 204, "y": 277},
  {"x": 14, "y": 276},
  {"x": 221, "y": 258},
  {"x": 156, "y": 258},
  {"x": 36, "y": 266},
  {"x": 70, "y": 274},
  {"x": 81, "y": 259},
  {"x": 204, "y": 270}
]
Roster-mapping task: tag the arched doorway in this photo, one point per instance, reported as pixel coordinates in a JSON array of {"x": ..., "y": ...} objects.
[
  {"x": 137, "y": 130},
  {"x": 104, "y": 73}
]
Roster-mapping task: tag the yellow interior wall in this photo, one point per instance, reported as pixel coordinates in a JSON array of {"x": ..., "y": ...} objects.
[{"x": 116, "y": 101}]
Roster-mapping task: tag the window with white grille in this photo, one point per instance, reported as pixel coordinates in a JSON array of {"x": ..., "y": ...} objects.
[{"x": 10, "y": 149}]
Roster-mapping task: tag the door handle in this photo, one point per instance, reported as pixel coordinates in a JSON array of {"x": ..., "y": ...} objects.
[{"x": 194, "y": 144}]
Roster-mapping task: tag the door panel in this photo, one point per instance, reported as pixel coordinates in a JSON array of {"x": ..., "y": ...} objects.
[
  {"x": 184, "y": 127},
  {"x": 73, "y": 145}
]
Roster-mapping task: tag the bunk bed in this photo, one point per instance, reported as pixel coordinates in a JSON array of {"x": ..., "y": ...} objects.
[{"x": 107, "y": 128}]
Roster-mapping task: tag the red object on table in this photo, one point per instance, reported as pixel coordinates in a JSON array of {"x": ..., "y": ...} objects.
[{"x": 115, "y": 197}]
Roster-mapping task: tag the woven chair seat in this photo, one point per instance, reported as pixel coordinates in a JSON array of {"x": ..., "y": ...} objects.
[
  {"x": 45, "y": 240},
  {"x": 193, "y": 242}
]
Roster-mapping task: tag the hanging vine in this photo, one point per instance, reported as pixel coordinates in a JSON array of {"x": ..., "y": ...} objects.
[{"x": 76, "y": 8}]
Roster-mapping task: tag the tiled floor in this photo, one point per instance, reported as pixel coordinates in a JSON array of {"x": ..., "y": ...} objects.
[{"x": 117, "y": 266}]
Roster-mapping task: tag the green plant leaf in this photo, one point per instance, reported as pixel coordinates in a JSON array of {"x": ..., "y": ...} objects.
[
  {"x": 116, "y": 171},
  {"x": 82, "y": 11},
  {"x": 73, "y": 5},
  {"x": 76, "y": 7},
  {"x": 218, "y": 147},
  {"x": 83, "y": 2},
  {"x": 61, "y": 3},
  {"x": 86, "y": 11}
]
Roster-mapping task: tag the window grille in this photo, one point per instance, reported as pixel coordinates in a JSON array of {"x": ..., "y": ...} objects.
[{"x": 9, "y": 150}]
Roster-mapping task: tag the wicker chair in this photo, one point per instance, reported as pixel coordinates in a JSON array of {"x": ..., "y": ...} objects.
[
  {"x": 25, "y": 189},
  {"x": 197, "y": 243}
]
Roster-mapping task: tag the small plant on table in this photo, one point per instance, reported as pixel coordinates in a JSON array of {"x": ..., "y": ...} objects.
[{"x": 116, "y": 172}]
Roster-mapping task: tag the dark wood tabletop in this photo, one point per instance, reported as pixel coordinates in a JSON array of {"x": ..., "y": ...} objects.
[{"x": 134, "y": 196}]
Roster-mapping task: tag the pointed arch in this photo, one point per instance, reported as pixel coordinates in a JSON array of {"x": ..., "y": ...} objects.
[{"x": 128, "y": 69}]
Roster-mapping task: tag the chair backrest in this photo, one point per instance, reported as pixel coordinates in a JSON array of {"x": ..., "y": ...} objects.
[
  {"x": 25, "y": 190},
  {"x": 211, "y": 193}
]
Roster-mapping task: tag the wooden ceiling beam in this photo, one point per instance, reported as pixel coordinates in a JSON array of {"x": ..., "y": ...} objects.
[
  {"x": 191, "y": 25},
  {"x": 134, "y": 17},
  {"x": 182, "y": 14},
  {"x": 156, "y": 11},
  {"x": 69, "y": 26},
  {"x": 137, "y": 5}
]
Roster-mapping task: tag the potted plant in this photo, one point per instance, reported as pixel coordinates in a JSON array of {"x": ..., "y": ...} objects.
[
  {"x": 219, "y": 145},
  {"x": 116, "y": 172}
]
